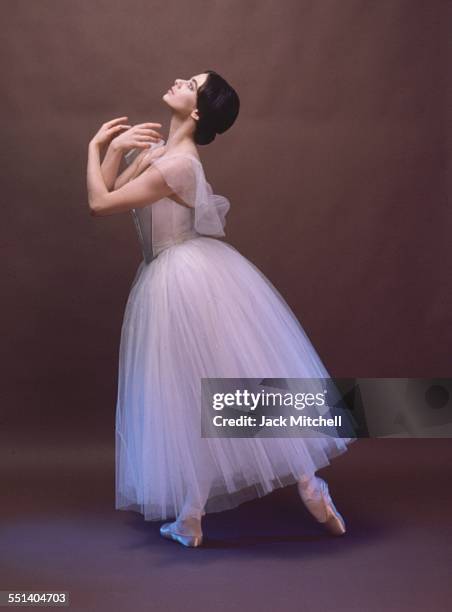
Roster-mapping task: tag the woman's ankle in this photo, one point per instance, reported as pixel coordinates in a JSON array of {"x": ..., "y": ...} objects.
[
  {"x": 189, "y": 525},
  {"x": 308, "y": 486}
]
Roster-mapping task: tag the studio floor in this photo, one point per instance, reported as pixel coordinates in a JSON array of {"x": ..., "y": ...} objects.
[{"x": 60, "y": 532}]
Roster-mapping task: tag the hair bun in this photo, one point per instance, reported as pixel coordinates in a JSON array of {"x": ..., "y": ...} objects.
[{"x": 218, "y": 107}]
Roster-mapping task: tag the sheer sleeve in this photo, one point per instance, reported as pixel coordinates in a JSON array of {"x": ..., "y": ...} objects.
[
  {"x": 131, "y": 155},
  {"x": 185, "y": 177}
]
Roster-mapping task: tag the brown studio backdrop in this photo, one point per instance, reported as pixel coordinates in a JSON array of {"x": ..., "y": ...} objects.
[{"x": 335, "y": 168}]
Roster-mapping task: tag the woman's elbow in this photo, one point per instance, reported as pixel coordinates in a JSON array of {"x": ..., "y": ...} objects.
[{"x": 94, "y": 209}]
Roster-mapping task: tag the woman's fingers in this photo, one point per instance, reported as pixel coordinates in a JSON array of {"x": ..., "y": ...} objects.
[
  {"x": 146, "y": 125},
  {"x": 146, "y": 138},
  {"x": 114, "y": 121},
  {"x": 140, "y": 128},
  {"x": 117, "y": 129},
  {"x": 146, "y": 128},
  {"x": 149, "y": 125},
  {"x": 141, "y": 144},
  {"x": 155, "y": 137},
  {"x": 147, "y": 134},
  {"x": 144, "y": 141}
]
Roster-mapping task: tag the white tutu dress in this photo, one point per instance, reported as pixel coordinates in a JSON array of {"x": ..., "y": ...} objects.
[{"x": 197, "y": 309}]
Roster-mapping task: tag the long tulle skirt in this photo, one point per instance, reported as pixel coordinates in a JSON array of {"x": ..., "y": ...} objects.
[{"x": 201, "y": 309}]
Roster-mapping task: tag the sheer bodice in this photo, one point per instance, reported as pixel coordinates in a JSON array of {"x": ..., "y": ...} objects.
[
  {"x": 166, "y": 222},
  {"x": 163, "y": 224}
]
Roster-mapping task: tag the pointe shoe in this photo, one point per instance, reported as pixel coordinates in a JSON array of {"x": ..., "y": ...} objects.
[
  {"x": 321, "y": 506},
  {"x": 169, "y": 531}
]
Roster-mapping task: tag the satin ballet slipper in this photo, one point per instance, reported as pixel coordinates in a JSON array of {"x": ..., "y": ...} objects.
[
  {"x": 173, "y": 531},
  {"x": 319, "y": 503}
]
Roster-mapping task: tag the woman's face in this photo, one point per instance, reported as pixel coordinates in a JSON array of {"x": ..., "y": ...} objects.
[{"x": 182, "y": 96}]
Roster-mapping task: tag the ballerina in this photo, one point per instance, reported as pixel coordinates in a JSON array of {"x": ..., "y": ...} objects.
[{"x": 197, "y": 308}]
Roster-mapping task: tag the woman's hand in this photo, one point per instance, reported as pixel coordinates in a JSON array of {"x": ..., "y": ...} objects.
[
  {"x": 139, "y": 136},
  {"x": 108, "y": 130}
]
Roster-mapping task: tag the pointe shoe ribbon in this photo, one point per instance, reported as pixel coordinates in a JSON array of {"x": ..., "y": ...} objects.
[
  {"x": 321, "y": 506},
  {"x": 169, "y": 531}
]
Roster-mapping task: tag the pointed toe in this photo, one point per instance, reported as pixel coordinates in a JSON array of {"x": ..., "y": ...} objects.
[{"x": 322, "y": 507}]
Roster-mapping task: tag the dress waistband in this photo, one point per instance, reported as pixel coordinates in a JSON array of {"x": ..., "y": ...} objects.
[{"x": 183, "y": 237}]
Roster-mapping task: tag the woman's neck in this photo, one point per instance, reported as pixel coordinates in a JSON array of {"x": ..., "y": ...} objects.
[{"x": 180, "y": 137}]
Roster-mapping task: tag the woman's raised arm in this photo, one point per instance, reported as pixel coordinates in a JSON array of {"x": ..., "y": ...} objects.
[
  {"x": 148, "y": 188},
  {"x": 110, "y": 164},
  {"x": 132, "y": 170}
]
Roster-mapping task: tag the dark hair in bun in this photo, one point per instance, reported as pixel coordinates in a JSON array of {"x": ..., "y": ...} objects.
[{"x": 218, "y": 106}]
